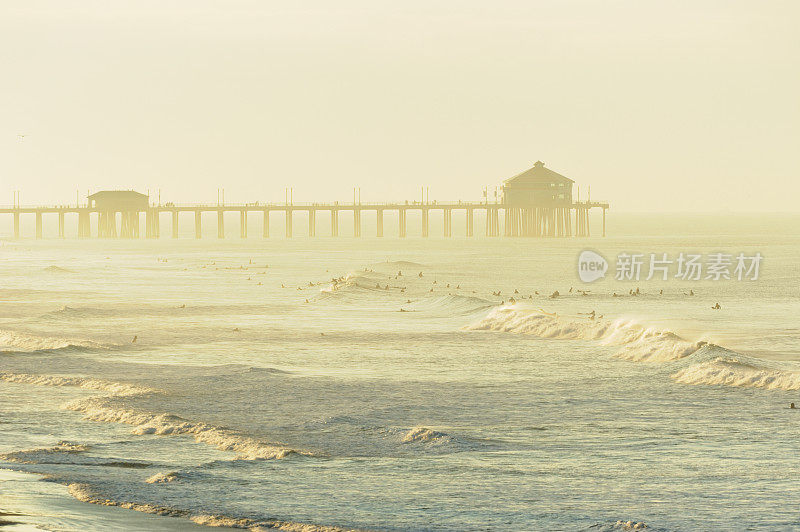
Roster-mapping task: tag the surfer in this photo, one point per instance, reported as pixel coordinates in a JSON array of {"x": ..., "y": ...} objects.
[
  {"x": 716, "y": 307},
  {"x": 135, "y": 337},
  {"x": 791, "y": 405},
  {"x": 554, "y": 295},
  {"x": 420, "y": 275}
]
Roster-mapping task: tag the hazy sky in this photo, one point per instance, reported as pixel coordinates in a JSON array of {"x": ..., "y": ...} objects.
[{"x": 670, "y": 106}]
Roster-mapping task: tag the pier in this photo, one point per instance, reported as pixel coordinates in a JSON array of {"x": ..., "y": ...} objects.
[{"x": 535, "y": 203}]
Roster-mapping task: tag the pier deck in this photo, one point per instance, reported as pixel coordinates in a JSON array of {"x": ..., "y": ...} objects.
[{"x": 557, "y": 220}]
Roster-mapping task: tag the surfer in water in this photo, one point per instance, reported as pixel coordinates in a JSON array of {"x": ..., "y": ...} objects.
[{"x": 135, "y": 337}]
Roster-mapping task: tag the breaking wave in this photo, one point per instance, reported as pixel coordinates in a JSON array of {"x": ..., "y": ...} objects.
[
  {"x": 425, "y": 435},
  {"x": 714, "y": 365},
  {"x": 118, "y": 389},
  {"x": 14, "y": 341},
  {"x": 636, "y": 342},
  {"x": 99, "y": 408},
  {"x": 163, "y": 478},
  {"x": 85, "y": 493},
  {"x": 68, "y": 453},
  {"x": 46, "y": 454},
  {"x": 703, "y": 362}
]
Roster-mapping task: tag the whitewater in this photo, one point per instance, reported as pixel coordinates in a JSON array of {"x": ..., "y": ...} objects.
[{"x": 371, "y": 384}]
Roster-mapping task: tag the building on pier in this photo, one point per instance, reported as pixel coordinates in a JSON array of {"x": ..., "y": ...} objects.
[
  {"x": 128, "y": 203},
  {"x": 538, "y": 202},
  {"x": 537, "y": 186}
]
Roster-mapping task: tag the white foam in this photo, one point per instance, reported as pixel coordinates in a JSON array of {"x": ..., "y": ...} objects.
[
  {"x": 162, "y": 478},
  {"x": 424, "y": 435},
  {"x": 162, "y": 424},
  {"x": 26, "y": 342},
  {"x": 84, "y": 493},
  {"x": 98, "y": 409},
  {"x": 35, "y": 456},
  {"x": 114, "y": 388},
  {"x": 748, "y": 373},
  {"x": 636, "y": 342}
]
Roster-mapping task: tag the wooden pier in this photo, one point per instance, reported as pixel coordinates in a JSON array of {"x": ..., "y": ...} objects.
[
  {"x": 535, "y": 203},
  {"x": 561, "y": 221}
]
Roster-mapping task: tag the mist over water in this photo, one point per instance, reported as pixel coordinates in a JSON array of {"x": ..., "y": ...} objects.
[{"x": 325, "y": 383}]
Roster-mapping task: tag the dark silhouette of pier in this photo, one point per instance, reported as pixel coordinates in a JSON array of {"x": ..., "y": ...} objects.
[{"x": 535, "y": 203}]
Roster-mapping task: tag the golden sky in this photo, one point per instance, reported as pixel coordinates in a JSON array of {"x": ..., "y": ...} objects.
[{"x": 663, "y": 106}]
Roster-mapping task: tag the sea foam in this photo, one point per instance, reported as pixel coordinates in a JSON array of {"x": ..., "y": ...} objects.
[
  {"x": 85, "y": 493},
  {"x": 635, "y": 341},
  {"x": 101, "y": 409},
  {"x": 729, "y": 368},
  {"x": 27, "y": 342}
]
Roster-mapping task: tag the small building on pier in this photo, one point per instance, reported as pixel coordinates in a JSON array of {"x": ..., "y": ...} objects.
[
  {"x": 128, "y": 203},
  {"x": 537, "y": 187},
  {"x": 119, "y": 201}
]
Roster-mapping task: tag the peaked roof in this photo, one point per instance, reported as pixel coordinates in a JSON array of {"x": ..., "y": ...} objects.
[
  {"x": 538, "y": 174},
  {"x": 123, "y": 193}
]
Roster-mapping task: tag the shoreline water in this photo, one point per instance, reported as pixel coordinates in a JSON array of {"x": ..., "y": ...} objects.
[{"x": 33, "y": 504}]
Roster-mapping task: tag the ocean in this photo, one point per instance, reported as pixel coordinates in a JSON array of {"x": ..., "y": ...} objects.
[{"x": 414, "y": 384}]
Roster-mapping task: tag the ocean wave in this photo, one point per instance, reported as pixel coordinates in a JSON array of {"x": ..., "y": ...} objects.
[
  {"x": 67, "y": 453},
  {"x": 425, "y": 435},
  {"x": 635, "y": 342},
  {"x": 714, "y": 365},
  {"x": 363, "y": 282},
  {"x": 44, "y": 454},
  {"x": 704, "y": 362},
  {"x": 56, "y": 269},
  {"x": 620, "y": 526},
  {"x": 99, "y": 408},
  {"x": 118, "y": 389},
  {"x": 162, "y": 424},
  {"x": 15, "y": 341},
  {"x": 163, "y": 478},
  {"x": 394, "y": 266},
  {"x": 452, "y": 303},
  {"x": 85, "y": 493}
]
